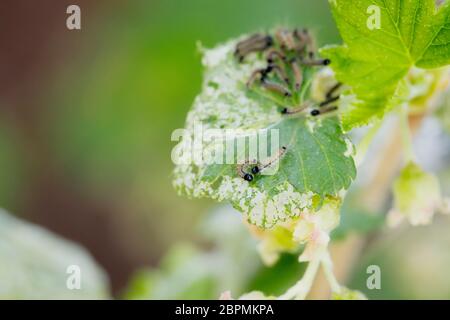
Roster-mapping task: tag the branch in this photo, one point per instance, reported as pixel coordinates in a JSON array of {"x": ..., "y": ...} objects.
[{"x": 347, "y": 252}]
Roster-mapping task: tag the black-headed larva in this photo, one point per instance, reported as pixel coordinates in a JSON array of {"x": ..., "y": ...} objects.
[
  {"x": 286, "y": 39},
  {"x": 299, "y": 109},
  {"x": 302, "y": 40},
  {"x": 255, "y": 43},
  {"x": 333, "y": 89},
  {"x": 319, "y": 62},
  {"x": 328, "y": 101},
  {"x": 281, "y": 72},
  {"x": 274, "y": 53},
  {"x": 329, "y": 95},
  {"x": 245, "y": 175},
  {"x": 259, "y": 167},
  {"x": 275, "y": 87},
  {"x": 261, "y": 73},
  {"x": 317, "y": 112},
  {"x": 298, "y": 75}
]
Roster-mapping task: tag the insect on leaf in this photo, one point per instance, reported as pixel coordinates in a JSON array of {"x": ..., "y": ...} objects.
[{"x": 316, "y": 162}]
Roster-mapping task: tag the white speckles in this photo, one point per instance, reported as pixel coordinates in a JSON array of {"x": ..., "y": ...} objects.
[
  {"x": 311, "y": 125},
  {"x": 216, "y": 56},
  {"x": 271, "y": 213},
  {"x": 202, "y": 188},
  {"x": 225, "y": 190},
  {"x": 262, "y": 209},
  {"x": 223, "y": 104},
  {"x": 322, "y": 82},
  {"x": 350, "y": 148},
  {"x": 257, "y": 208}
]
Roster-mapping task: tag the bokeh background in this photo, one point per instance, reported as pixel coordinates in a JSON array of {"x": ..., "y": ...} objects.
[{"x": 86, "y": 118}]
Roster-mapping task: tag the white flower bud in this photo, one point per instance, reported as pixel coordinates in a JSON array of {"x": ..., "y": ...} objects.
[
  {"x": 314, "y": 229},
  {"x": 417, "y": 196}
]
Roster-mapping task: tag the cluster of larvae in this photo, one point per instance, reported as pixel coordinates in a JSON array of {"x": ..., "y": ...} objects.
[{"x": 287, "y": 53}]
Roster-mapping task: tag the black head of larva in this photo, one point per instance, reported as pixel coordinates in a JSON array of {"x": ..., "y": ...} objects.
[
  {"x": 248, "y": 177},
  {"x": 315, "y": 112},
  {"x": 284, "y": 110},
  {"x": 255, "y": 170},
  {"x": 326, "y": 62}
]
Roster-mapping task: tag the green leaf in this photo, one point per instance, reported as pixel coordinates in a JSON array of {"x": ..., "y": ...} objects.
[
  {"x": 186, "y": 273},
  {"x": 373, "y": 62},
  {"x": 318, "y": 159},
  {"x": 316, "y": 162},
  {"x": 34, "y": 264},
  {"x": 275, "y": 279},
  {"x": 231, "y": 263}
]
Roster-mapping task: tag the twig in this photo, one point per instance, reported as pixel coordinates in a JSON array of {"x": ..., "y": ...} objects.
[{"x": 345, "y": 253}]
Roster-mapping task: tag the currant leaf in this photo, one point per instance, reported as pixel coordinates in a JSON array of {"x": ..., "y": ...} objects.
[
  {"x": 317, "y": 162},
  {"x": 374, "y": 61},
  {"x": 38, "y": 264}
]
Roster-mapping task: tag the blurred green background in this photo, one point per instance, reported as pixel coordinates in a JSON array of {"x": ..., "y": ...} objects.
[{"x": 86, "y": 116}]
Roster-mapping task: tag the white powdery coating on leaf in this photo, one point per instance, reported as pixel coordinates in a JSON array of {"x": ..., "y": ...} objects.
[
  {"x": 184, "y": 179},
  {"x": 311, "y": 125},
  {"x": 350, "y": 152},
  {"x": 224, "y": 104},
  {"x": 261, "y": 208},
  {"x": 214, "y": 57},
  {"x": 223, "y": 98}
]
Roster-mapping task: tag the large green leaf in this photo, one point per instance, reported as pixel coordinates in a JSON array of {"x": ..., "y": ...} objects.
[
  {"x": 374, "y": 61},
  {"x": 230, "y": 263},
  {"x": 318, "y": 161},
  {"x": 34, "y": 264}
]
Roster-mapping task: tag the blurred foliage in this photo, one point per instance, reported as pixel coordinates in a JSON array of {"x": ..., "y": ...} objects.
[
  {"x": 232, "y": 263},
  {"x": 413, "y": 261},
  {"x": 11, "y": 164},
  {"x": 277, "y": 279},
  {"x": 34, "y": 264},
  {"x": 355, "y": 218},
  {"x": 114, "y": 108},
  {"x": 185, "y": 273},
  {"x": 111, "y": 112},
  {"x": 356, "y": 221},
  {"x": 443, "y": 112}
]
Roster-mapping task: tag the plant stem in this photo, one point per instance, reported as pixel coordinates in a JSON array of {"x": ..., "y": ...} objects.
[
  {"x": 300, "y": 290},
  {"x": 327, "y": 265},
  {"x": 374, "y": 198},
  {"x": 363, "y": 145},
  {"x": 406, "y": 135}
]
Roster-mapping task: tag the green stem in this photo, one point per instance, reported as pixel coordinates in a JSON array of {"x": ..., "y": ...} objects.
[
  {"x": 301, "y": 289},
  {"x": 363, "y": 145},
  {"x": 406, "y": 135},
  {"x": 327, "y": 266}
]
